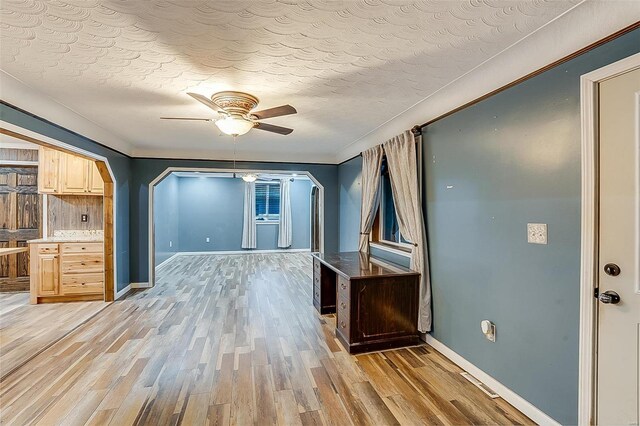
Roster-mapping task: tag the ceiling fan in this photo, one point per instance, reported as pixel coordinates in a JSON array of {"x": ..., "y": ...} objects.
[{"x": 236, "y": 117}]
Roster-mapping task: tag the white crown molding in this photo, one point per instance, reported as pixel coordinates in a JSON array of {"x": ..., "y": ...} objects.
[
  {"x": 19, "y": 94},
  {"x": 214, "y": 155},
  {"x": 586, "y": 23}
]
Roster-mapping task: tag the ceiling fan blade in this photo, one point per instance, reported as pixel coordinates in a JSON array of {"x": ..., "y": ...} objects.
[
  {"x": 271, "y": 128},
  {"x": 208, "y": 102},
  {"x": 274, "y": 112},
  {"x": 185, "y": 118}
]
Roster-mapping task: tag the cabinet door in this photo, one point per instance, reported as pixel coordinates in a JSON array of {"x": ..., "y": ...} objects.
[
  {"x": 48, "y": 171},
  {"x": 96, "y": 184},
  {"x": 48, "y": 275},
  {"x": 74, "y": 174}
]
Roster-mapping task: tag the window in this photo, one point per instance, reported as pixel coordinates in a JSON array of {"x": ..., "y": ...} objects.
[
  {"x": 388, "y": 230},
  {"x": 267, "y": 201}
]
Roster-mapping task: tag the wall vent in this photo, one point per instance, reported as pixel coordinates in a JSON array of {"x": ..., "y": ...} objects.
[{"x": 477, "y": 383}]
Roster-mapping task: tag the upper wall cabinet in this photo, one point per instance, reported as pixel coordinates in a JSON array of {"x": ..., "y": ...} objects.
[
  {"x": 66, "y": 174},
  {"x": 48, "y": 171}
]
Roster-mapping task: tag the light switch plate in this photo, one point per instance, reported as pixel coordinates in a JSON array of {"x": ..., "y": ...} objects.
[{"x": 537, "y": 233}]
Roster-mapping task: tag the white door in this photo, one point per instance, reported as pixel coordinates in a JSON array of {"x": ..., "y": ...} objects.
[{"x": 618, "y": 366}]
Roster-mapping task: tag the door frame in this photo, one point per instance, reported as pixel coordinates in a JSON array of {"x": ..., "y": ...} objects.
[
  {"x": 169, "y": 170},
  {"x": 109, "y": 198},
  {"x": 588, "y": 363}
]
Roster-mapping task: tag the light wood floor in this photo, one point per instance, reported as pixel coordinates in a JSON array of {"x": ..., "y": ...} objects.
[
  {"x": 26, "y": 330},
  {"x": 235, "y": 340}
]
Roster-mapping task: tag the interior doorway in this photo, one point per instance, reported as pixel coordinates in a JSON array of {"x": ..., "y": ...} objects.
[
  {"x": 85, "y": 173},
  {"x": 610, "y": 294},
  {"x": 204, "y": 211}
]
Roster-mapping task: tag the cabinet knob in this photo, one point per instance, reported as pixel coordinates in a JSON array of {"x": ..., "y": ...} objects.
[
  {"x": 342, "y": 305},
  {"x": 344, "y": 286},
  {"x": 342, "y": 324}
]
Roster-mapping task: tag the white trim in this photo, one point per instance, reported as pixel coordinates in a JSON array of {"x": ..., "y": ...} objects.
[
  {"x": 233, "y": 252},
  {"x": 122, "y": 292},
  {"x": 140, "y": 285},
  {"x": 385, "y": 247},
  {"x": 169, "y": 170},
  {"x": 88, "y": 154},
  {"x": 267, "y": 222},
  {"x": 507, "y": 394},
  {"x": 18, "y": 163},
  {"x": 589, "y": 235},
  {"x": 166, "y": 261}
]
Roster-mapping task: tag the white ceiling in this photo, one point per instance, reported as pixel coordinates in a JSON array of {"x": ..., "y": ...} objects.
[{"x": 347, "y": 66}]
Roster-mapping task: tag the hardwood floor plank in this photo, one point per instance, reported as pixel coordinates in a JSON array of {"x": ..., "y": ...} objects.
[{"x": 224, "y": 340}]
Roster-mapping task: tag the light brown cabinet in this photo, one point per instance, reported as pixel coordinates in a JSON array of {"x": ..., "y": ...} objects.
[
  {"x": 96, "y": 184},
  {"x": 48, "y": 171},
  {"x": 62, "y": 272},
  {"x": 66, "y": 174}
]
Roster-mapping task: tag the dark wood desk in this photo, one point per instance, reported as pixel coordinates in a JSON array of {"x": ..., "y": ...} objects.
[{"x": 377, "y": 303}]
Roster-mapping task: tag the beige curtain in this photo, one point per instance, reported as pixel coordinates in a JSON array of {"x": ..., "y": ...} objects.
[
  {"x": 285, "y": 235},
  {"x": 249, "y": 218},
  {"x": 371, "y": 163},
  {"x": 403, "y": 171}
]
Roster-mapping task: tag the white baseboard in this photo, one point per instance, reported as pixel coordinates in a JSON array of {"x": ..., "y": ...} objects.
[
  {"x": 248, "y": 251},
  {"x": 122, "y": 292},
  {"x": 140, "y": 285},
  {"x": 507, "y": 394},
  {"x": 166, "y": 261}
]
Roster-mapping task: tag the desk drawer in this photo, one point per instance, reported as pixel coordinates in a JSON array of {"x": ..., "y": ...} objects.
[
  {"x": 82, "y": 264},
  {"x": 316, "y": 293},
  {"x": 344, "y": 288},
  {"x": 343, "y": 323},
  {"x": 316, "y": 266}
]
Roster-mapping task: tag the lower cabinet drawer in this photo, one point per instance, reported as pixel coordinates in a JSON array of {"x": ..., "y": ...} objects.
[
  {"x": 82, "y": 264},
  {"x": 316, "y": 292},
  {"x": 82, "y": 284},
  {"x": 85, "y": 247},
  {"x": 47, "y": 248}
]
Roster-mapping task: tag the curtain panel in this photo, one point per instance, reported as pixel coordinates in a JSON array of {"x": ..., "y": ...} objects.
[
  {"x": 371, "y": 164},
  {"x": 285, "y": 233},
  {"x": 249, "y": 218},
  {"x": 403, "y": 171}
]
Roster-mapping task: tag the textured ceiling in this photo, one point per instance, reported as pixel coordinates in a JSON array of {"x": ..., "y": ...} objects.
[{"x": 347, "y": 66}]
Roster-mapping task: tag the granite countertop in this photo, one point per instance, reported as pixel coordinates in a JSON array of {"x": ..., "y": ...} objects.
[
  {"x": 72, "y": 236},
  {"x": 67, "y": 240}
]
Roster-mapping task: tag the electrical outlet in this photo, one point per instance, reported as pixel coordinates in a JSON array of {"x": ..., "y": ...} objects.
[
  {"x": 489, "y": 330},
  {"x": 208, "y": 239},
  {"x": 84, "y": 218},
  {"x": 537, "y": 233}
]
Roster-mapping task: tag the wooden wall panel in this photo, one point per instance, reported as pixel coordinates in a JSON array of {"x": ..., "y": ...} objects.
[
  {"x": 64, "y": 213},
  {"x": 12, "y": 154}
]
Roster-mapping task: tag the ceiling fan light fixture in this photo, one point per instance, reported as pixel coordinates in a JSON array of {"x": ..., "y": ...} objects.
[
  {"x": 234, "y": 125},
  {"x": 249, "y": 177}
]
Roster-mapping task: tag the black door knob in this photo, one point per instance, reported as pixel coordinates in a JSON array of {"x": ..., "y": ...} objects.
[
  {"x": 612, "y": 269},
  {"x": 609, "y": 296}
]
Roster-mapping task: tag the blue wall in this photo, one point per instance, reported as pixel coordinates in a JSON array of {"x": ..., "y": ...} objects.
[
  {"x": 350, "y": 192},
  {"x": 213, "y": 207},
  {"x": 166, "y": 210},
  {"x": 145, "y": 170},
  {"x": 513, "y": 158},
  {"x": 120, "y": 165}
]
